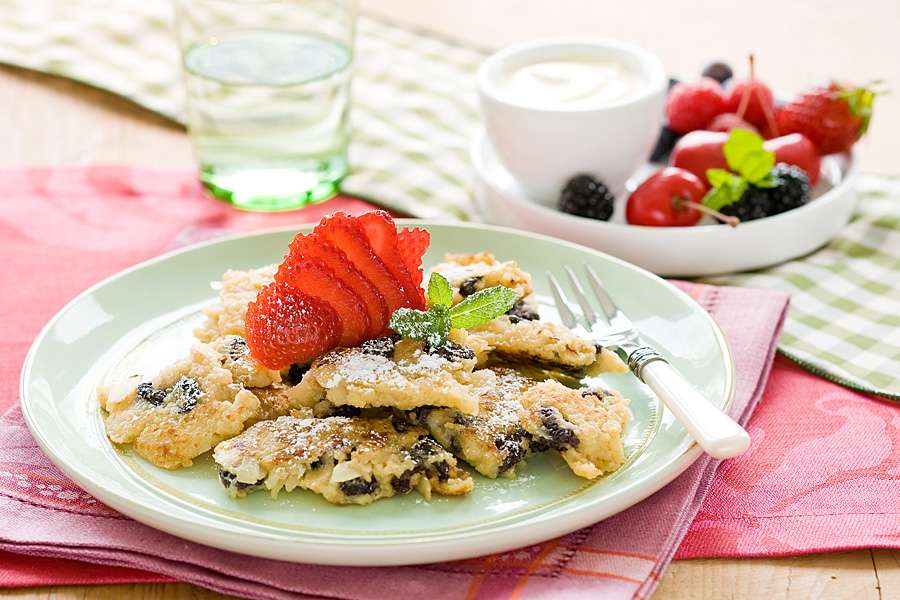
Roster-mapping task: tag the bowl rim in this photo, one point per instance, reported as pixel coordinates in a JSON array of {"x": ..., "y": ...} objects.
[
  {"x": 482, "y": 141},
  {"x": 657, "y": 83}
]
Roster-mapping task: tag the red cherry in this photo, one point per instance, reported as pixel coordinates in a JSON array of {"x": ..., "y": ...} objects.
[
  {"x": 728, "y": 121},
  {"x": 797, "y": 149},
  {"x": 759, "y": 102},
  {"x": 665, "y": 199},
  {"x": 699, "y": 151}
]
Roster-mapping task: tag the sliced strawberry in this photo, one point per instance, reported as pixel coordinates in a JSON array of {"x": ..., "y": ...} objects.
[
  {"x": 314, "y": 245},
  {"x": 312, "y": 277},
  {"x": 345, "y": 233},
  {"x": 412, "y": 244},
  {"x": 382, "y": 235},
  {"x": 285, "y": 326}
]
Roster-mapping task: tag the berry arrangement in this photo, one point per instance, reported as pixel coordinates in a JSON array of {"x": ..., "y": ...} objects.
[
  {"x": 345, "y": 263},
  {"x": 733, "y": 152}
]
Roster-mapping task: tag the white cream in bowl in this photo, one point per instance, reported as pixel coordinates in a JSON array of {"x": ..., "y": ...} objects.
[
  {"x": 573, "y": 82},
  {"x": 558, "y": 107}
]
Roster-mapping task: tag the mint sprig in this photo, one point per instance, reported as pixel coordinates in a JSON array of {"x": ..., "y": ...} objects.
[
  {"x": 432, "y": 326},
  {"x": 751, "y": 163},
  {"x": 482, "y": 306}
]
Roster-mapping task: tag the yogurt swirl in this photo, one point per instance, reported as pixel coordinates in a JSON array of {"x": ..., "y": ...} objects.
[{"x": 571, "y": 83}]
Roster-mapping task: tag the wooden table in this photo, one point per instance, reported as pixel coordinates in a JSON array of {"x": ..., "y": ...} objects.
[{"x": 49, "y": 121}]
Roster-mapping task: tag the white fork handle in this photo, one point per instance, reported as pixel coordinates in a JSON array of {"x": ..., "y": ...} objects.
[{"x": 717, "y": 433}]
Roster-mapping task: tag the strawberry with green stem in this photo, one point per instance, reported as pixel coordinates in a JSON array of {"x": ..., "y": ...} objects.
[{"x": 834, "y": 117}]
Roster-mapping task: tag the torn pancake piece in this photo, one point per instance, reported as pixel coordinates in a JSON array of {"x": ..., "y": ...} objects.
[
  {"x": 181, "y": 413},
  {"x": 345, "y": 460},
  {"x": 493, "y": 441},
  {"x": 402, "y": 374},
  {"x": 586, "y": 426}
]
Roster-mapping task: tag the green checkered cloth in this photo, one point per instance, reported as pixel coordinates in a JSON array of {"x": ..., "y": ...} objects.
[
  {"x": 844, "y": 319},
  {"x": 414, "y": 116}
]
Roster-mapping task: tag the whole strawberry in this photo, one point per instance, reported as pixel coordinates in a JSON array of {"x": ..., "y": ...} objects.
[
  {"x": 833, "y": 117},
  {"x": 691, "y": 106}
]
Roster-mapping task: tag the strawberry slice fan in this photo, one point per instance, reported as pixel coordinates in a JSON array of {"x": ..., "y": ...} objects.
[{"x": 337, "y": 286}]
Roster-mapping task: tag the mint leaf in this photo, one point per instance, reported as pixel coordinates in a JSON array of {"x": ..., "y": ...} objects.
[
  {"x": 439, "y": 291},
  {"x": 727, "y": 188},
  {"x": 745, "y": 154},
  {"x": 482, "y": 306},
  {"x": 441, "y": 320},
  {"x": 432, "y": 327},
  {"x": 768, "y": 181}
]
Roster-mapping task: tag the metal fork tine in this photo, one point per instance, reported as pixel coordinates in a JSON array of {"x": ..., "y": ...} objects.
[
  {"x": 606, "y": 302},
  {"x": 562, "y": 304},
  {"x": 577, "y": 290}
]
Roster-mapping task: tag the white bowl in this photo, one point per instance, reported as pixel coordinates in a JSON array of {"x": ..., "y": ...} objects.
[
  {"x": 543, "y": 145},
  {"x": 674, "y": 251}
]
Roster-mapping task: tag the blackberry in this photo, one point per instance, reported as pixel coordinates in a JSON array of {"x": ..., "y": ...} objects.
[
  {"x": 719, "y": 71},
  {"x": 664, "y": 144},
  {"x": 753, "y": 204},
  {"x": 586, "y": 197},
  {"x": 792, "y": 190}
]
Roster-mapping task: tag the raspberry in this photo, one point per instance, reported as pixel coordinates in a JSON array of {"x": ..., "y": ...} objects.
[
  {"x": 285, "y": 326},
  {"x": 413, "y": 243},
  {"x": 382, "y": 235},
  {"x": 314, "y": 245},
  {"x": 691, "y": 106},
  {"x": 311, "y": 276}
]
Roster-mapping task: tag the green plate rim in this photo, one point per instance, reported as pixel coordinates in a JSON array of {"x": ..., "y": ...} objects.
[{"x": 677, "y": 462}]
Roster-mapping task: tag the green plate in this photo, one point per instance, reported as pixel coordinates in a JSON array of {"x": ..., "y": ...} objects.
[{"x": 142, "y": 318}]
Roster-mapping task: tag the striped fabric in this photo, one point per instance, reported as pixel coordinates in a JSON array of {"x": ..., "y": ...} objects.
[{"x": 414, "y": 115}]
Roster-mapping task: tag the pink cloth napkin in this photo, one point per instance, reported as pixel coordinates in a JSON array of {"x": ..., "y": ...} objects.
[
  {"x": 822, "y": 474},
  {"x": 92, "y": 222}
]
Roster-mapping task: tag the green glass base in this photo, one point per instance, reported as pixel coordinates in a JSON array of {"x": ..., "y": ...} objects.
[{"x": 273, "y": 189}]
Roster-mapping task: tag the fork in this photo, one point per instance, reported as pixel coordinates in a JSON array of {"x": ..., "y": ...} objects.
[{"x": 717, "y": 433}]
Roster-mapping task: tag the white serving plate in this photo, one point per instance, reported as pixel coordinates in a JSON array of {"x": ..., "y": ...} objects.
[
  {"x": 706, "y": 249},
  {"x": 124, "y": 325}
]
